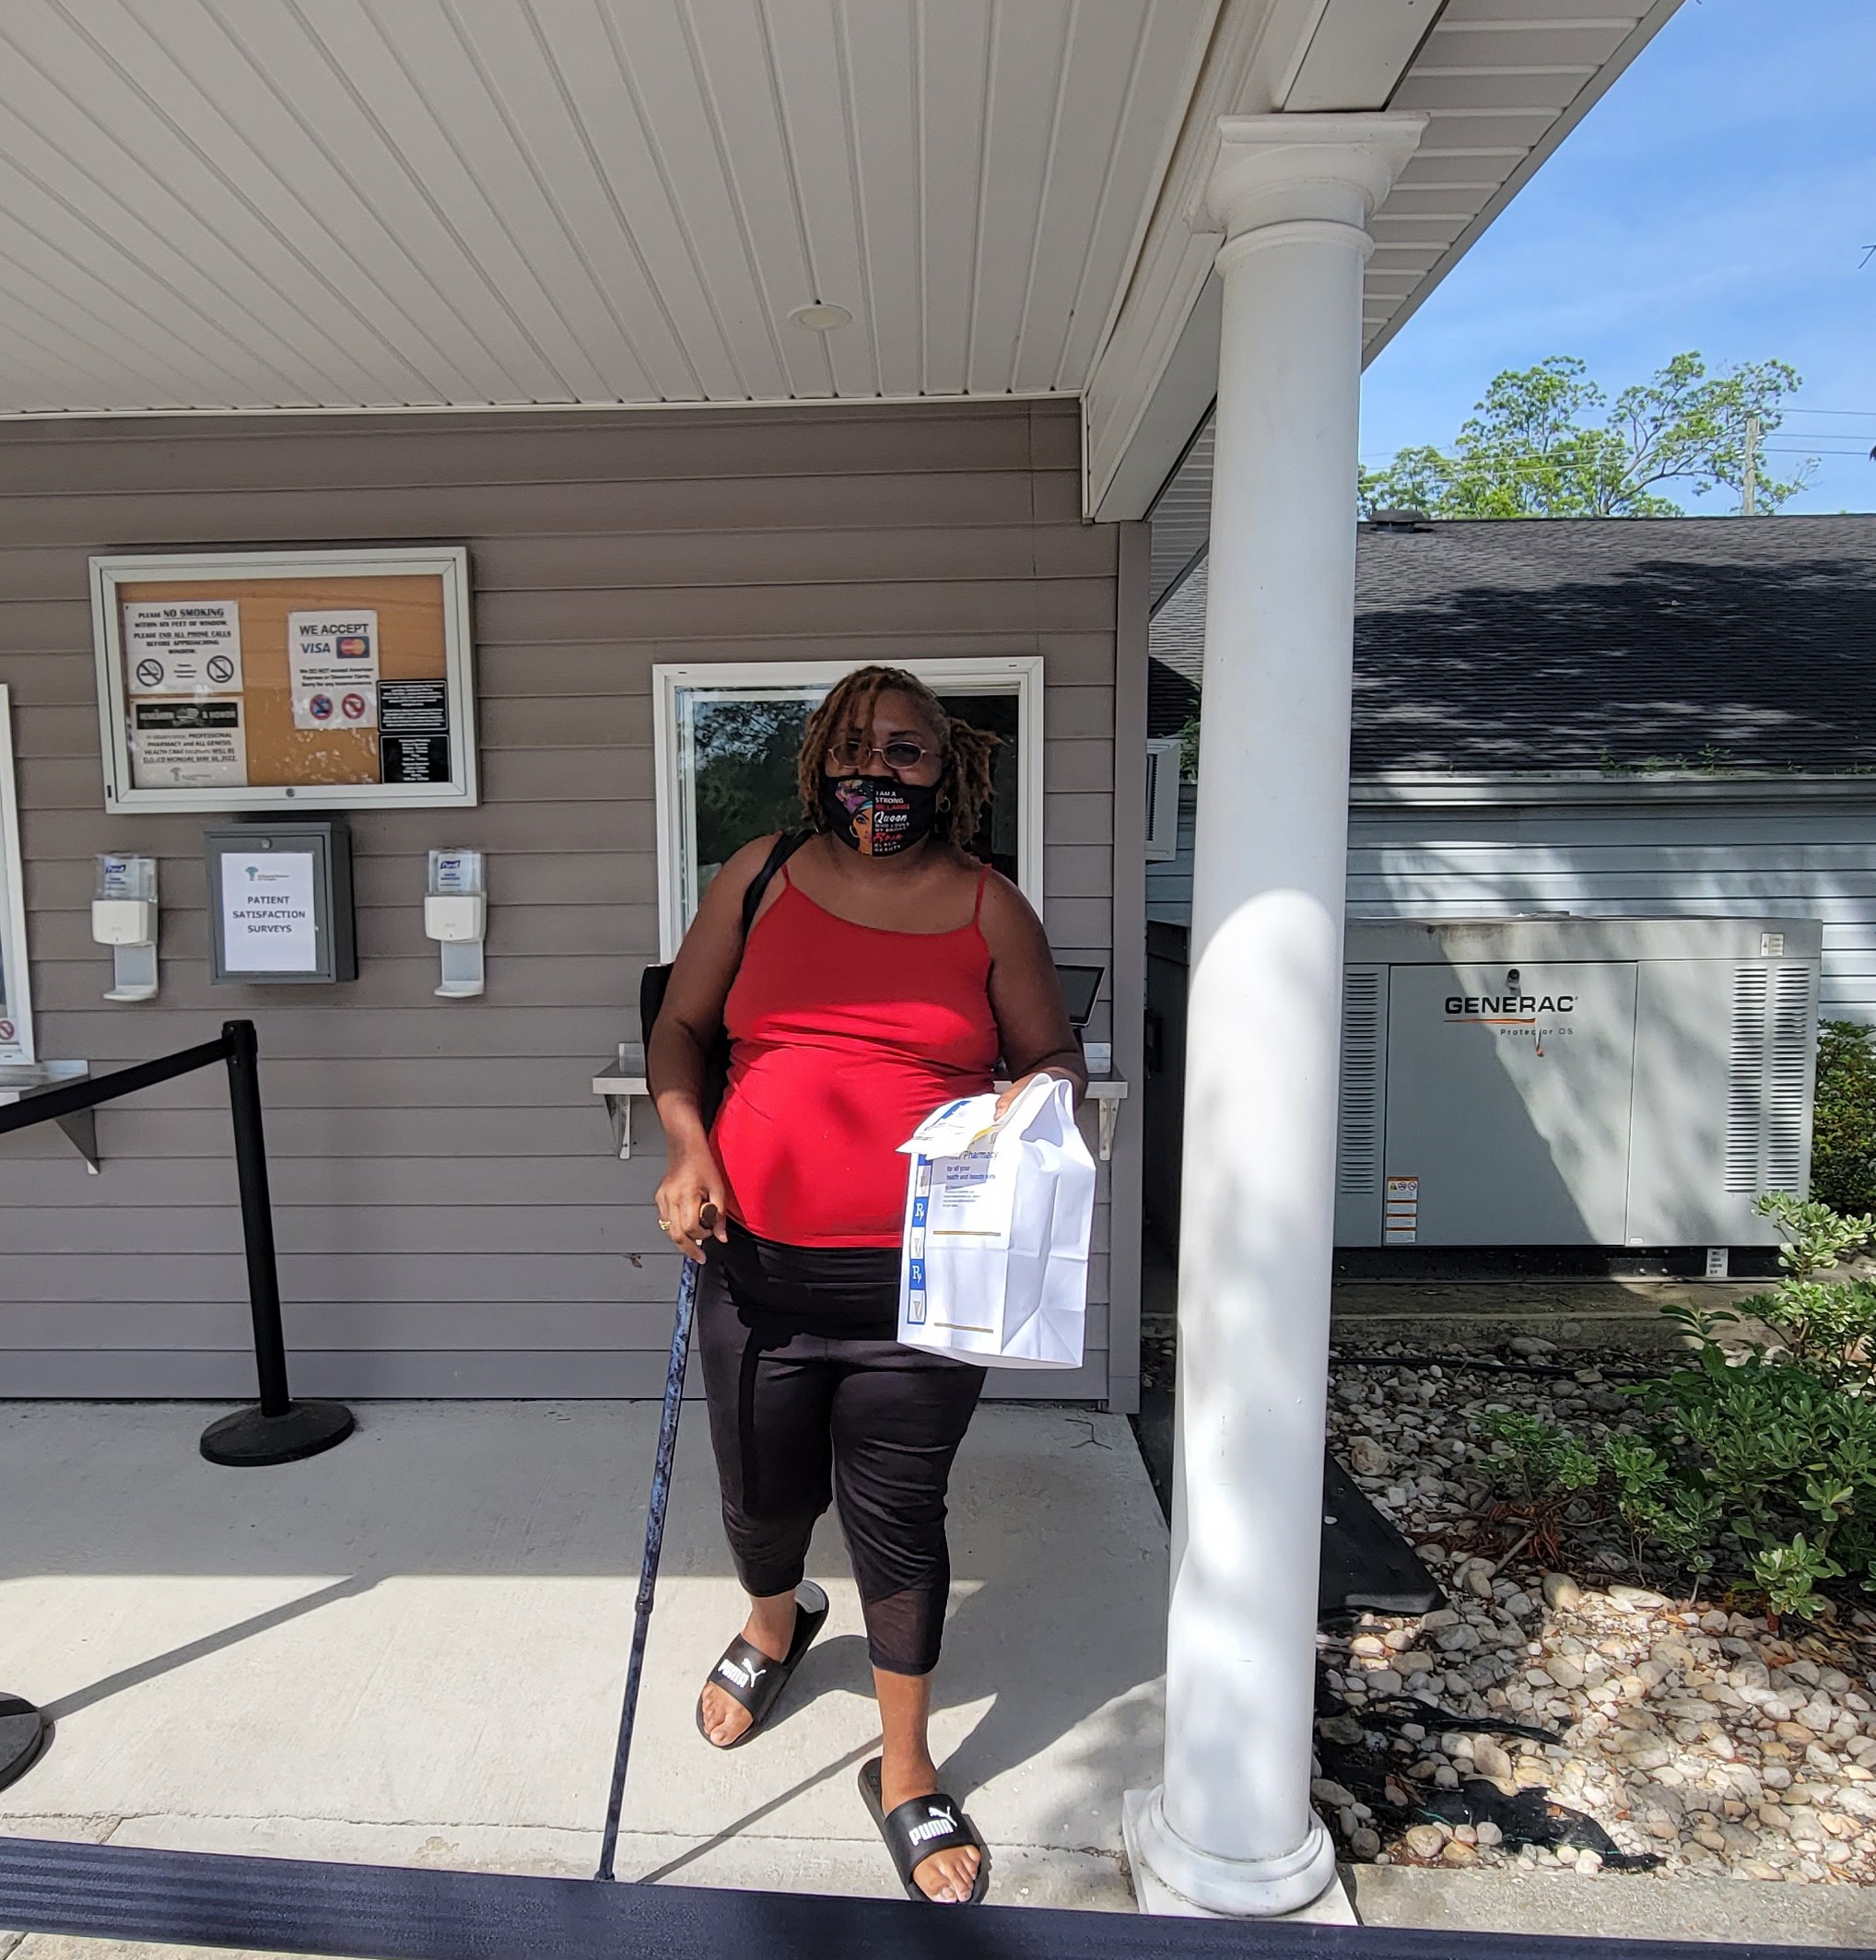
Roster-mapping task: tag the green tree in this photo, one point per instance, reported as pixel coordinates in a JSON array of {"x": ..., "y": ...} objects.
[{"x": 1545, "y": 442}]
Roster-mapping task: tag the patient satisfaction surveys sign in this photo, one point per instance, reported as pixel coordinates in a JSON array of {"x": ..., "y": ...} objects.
[{"x": 267, "y": 920}]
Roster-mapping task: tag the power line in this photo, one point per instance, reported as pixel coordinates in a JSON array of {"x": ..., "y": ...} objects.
[{"x": 1866, "y": 413}]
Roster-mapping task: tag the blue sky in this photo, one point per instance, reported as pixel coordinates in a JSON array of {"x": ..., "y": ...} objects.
[{"x": 1721, "y": 196}]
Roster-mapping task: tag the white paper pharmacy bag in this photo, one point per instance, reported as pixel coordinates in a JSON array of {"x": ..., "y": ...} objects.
[{"x": 997, "y": 1222}]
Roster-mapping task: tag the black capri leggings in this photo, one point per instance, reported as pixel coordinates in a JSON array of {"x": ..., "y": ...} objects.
[{"x": 797, "y": 1418}]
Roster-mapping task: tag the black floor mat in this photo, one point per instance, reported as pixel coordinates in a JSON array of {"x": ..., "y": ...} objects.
[{"x": 1367, "y": 1567}]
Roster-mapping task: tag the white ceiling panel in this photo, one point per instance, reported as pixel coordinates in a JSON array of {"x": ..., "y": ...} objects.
[
  {"x": 227, "y": 206},
  {"x": 272, "y": 204}
]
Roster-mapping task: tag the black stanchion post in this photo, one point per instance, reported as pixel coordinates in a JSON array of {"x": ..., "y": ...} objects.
[
  {"x": 24, "y": 1733},
  {"x": 279, "y": 1430}
]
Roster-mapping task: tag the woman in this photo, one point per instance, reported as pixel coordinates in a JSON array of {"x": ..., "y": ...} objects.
[{"x": 885, "y": 971}]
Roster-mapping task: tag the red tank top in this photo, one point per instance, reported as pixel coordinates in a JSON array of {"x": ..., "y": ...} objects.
[{"x": 843, "y": 1039}]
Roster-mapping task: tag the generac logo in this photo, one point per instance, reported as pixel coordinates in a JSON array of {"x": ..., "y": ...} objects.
[
  {"x": 1507, "y": 1006},
  {"x": 1513, "y": 1014},
  {"x": 1512, "y": 1005}
]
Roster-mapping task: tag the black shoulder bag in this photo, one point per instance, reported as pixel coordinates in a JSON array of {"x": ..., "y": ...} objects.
[{"x": 655, "y": 979}]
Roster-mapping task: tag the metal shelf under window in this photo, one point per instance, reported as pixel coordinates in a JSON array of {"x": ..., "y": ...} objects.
[
  {"x": 622, "y": 1083},
  {"x": 19, "y": 1080}
]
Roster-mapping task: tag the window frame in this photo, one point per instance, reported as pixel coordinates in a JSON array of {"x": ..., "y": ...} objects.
[
  {"x": 1020, "y": 674},
  {"x": 13, "y": 901}
]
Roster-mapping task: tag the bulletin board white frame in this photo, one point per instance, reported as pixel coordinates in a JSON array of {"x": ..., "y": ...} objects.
[
  {"x": 1020, "y": 674},
  {"x": 450, "y": 563},
  {"x": 13, "y": 902}
]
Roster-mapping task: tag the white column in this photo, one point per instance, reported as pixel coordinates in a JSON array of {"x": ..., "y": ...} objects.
[{"x": 1230, "y": 1828}]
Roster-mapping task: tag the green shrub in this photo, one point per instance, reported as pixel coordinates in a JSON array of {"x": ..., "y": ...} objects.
[
  {"x": 1843, "y": 1150},
  {"x": 1753, "y": 1463},
  {"x": 1545, "y": 1462},
  {"x": 1774, "y": 1449}
]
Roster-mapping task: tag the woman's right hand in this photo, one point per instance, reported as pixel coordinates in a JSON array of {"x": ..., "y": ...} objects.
[{"x": 691, "y": 1207}]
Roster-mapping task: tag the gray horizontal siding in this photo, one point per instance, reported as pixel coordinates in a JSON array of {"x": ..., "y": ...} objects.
[
  {"x": 1811, "y": 858},
  {"x": 451, "y": 1215}
]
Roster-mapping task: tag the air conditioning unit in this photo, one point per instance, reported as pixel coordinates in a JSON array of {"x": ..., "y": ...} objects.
[{"x": 1574, "y": 1081}]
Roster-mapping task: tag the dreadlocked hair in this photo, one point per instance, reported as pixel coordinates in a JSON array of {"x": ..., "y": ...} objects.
[{"x": 964, "y": 783}]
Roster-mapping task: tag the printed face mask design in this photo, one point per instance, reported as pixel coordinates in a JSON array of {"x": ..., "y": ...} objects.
[{"x": 878, "y": 815}]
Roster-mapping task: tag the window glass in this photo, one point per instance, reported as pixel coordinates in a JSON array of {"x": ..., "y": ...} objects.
[{"x": 735, "y": 744}]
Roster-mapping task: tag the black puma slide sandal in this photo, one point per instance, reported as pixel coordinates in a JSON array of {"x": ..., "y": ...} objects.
[
  {"x": 754, "y": 1682},
  {"x": 917, "y": 1828}
]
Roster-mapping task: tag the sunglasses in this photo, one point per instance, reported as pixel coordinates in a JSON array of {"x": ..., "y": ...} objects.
[{"x": 848, "y": 752}]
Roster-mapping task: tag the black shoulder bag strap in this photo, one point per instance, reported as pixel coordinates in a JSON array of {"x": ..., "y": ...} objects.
[{"x": 655, "y": 979}]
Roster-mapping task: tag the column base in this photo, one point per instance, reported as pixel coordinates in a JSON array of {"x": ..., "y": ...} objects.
[{"x": 1173, "y": 1879}]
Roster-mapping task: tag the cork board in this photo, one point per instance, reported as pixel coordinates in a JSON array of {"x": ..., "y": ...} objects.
[{"x": 242, "y": 682}]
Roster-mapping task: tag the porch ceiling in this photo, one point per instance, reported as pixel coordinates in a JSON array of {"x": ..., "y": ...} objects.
[
  {"x": 221, "y": 206},
  {"x": 269, "y": 204}
]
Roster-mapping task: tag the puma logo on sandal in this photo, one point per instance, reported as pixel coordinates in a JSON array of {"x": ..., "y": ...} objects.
[
  {"x": 745, "y": 1677},
  {"x": 922, "y": 1829}
]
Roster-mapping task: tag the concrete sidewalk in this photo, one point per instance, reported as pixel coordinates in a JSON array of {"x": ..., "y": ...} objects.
[{"x": 411, "y": 1650}]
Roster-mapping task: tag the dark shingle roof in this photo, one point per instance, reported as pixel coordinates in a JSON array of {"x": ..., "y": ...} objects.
[{"x": 1568, "y": 643}]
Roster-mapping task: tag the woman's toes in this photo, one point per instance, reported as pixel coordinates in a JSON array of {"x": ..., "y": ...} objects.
[
  {"x": 949, "y": 1878},
  {"x": 720, "y": 1715}
]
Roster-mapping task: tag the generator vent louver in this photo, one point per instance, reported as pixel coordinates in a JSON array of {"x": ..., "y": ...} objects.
[
  {"x": 1360, "y": 1130},
  {"x": 1790, "y": 1063},
  {"x": 1772, "y": 1014}
]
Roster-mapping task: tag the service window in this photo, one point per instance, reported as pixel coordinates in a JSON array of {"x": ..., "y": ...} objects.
[
  {"x": 726, "y": 739},
  {"x": 288, "y": 680},
  {"x": 16, "y": 999}
]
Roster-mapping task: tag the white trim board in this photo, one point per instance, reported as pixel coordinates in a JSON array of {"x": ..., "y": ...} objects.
[{"x": 18, "y": 1001}]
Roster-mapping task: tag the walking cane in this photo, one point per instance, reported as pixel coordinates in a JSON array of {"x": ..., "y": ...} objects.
[{"x": 654, "y": 1544}]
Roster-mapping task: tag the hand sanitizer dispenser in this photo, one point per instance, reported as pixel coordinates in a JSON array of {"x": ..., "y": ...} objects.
[
  {"x": 456, "y": 913},
  {"x": 123, "y": 917}
]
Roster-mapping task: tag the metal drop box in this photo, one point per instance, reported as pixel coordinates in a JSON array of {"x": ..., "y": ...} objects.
[
  {"x": 280, "y": 903},
  {"x": 1574, "y": 1081}
]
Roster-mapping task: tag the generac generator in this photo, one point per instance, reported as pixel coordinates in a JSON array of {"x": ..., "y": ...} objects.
[{"x": 1574, "y": 1081}]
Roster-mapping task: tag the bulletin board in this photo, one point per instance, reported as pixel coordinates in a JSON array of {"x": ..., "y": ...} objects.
[{"x": 254, "y": 680}]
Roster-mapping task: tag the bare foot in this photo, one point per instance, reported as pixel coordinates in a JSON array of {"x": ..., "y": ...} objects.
[
  {"x": 947, "y": 1877},
  {"x": 771, "y": 1629}
]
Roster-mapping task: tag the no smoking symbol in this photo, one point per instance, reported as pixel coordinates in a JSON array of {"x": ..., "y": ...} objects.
[{"x": 150, "y": 673}]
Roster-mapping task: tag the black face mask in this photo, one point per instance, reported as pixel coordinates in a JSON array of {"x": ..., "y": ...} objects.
[{"x": 878, "y": 815}]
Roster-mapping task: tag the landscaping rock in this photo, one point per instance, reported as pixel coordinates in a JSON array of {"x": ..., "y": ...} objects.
[
  {"x": 1692, "y": 1733},
  {"x": 1491, "y": 1761},
  {"x": 1561, "y": 1593},
  {"x": 1424, "y": 1840}
]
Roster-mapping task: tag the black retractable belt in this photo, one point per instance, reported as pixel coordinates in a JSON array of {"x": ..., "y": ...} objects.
[
  {"x": 278, "y": 1430},
  {"x": 385, "y": 1912}
]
